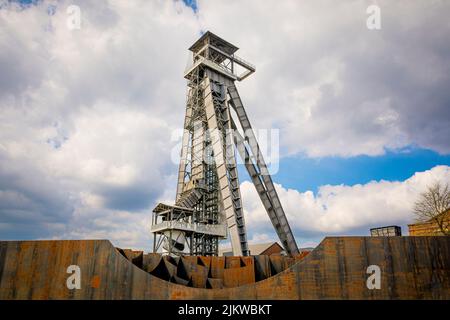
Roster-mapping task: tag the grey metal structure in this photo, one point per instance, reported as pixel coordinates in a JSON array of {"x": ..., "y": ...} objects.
[
  {"x": 389, "y": 231},
  {"x": 208, "y": 197}
]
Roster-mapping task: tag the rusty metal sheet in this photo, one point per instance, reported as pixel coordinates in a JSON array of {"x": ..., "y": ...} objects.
[
  {"x": 190, "y": 270},
  {"x": 150, "y": 261},
  {"x": 233, "y": 262},
  {"x": 214, "y": 283},
  {"x": 204, "y": 261},
  {"x": 247, "y": 261},
  {"x": 411, "y": 268},
  {"x": 262, "y": 267},
  {"x": 277, "y": 264},
  {"x": 235, "y": 277},
  {"x": 217, "y": 267}
]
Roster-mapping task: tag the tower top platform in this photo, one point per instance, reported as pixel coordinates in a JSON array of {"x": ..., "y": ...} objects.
[
  {"x": 215, "y": 53},
  {"x": 210, "y": 38}
]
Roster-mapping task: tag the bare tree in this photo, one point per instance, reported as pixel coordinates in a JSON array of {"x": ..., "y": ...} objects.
[{"x": 432, "y": 204}]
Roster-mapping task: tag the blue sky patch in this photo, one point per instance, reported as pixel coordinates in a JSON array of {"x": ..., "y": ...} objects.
[
  {"x": 302, "y": 173},
  {"x": 192, "y": 4}
]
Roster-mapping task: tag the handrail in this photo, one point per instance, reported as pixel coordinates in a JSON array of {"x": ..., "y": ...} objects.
[
  {"x": 239, "y": 59},
  {"x": 215, "y": 229},
  {"x": 212, "y": 64}
]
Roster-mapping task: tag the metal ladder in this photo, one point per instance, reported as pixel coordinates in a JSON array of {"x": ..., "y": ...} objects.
[
  {"x": 260, "y": 175},
  {"x": 218, "y": 114}
]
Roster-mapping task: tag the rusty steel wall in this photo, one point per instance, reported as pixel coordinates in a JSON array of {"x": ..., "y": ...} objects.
[
  {"x": 210, "y": 272},
  {"x": 411, "y": 268}
]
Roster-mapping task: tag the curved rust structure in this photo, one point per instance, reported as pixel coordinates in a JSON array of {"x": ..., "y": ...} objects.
[
  {"x": 211, "y": 272},
  {"x": 410, "y": 268}
]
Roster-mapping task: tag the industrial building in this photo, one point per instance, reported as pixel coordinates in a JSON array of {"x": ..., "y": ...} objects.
[
  {"x": 268, "y": 249},
  {"x": 430, "y": 227}
]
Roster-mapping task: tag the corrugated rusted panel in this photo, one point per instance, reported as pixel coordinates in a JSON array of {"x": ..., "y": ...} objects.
[
  {"x": 262, "y": 267},
  {"x": 411, "y": 268},
  {"x": 246, "y": 261},
  {"x": 150, "y": 261},
  {"x": 204, "y": 261},
  {"x": 301, "y": 255},
  {"x": 214, "y": 283},
  {"x": 217, "y": 267},
  {"x": 136, "y": 257},
  {"x": 191, "y": 259},
  {"x": 190, "y": 270},
  {"x": 179, "y": 280},
  {"x": 277, "y": 264},
  {"x": 199, "y": 279},
  {"x": 233, "y": 262},
  {"x": 235, "y": 277}
]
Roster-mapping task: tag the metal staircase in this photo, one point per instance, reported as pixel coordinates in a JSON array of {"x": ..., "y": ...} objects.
[
  {"x": 260, "y": 176},
  {"x": 219, "y": 125},
  {"x": 190, "y": 198}
]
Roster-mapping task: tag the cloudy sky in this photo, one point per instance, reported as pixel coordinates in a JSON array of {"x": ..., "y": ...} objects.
[{"x": 87, "y": 115}]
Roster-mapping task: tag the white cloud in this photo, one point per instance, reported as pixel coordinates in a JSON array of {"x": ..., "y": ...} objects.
[
  {"x": 260, "y": 238},
  {"x": 342, "y": 209},
  {"x": 86, "y": 115},
  {"x": 333, "y": 86}
]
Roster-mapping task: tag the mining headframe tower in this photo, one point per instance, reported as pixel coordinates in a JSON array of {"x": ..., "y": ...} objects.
[{"x": 208, "y": 204}]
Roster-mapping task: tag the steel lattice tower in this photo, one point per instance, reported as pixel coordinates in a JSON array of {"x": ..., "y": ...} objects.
[{"x": 208, "y": 199}]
